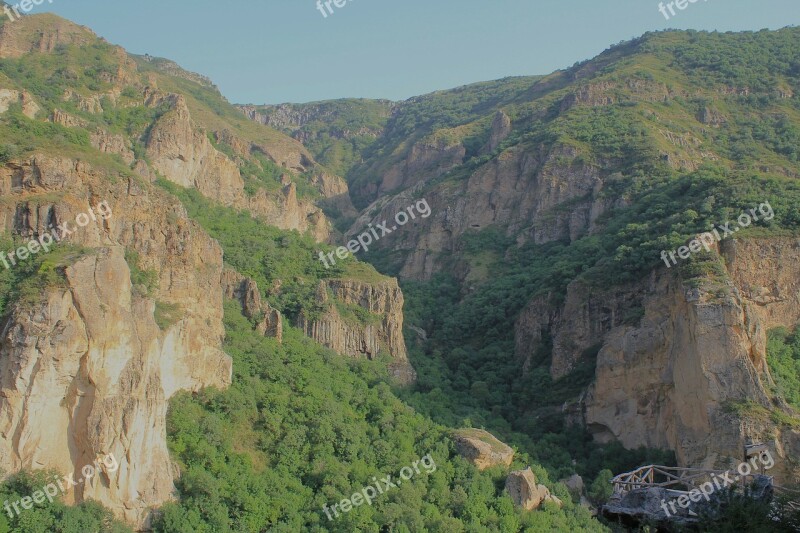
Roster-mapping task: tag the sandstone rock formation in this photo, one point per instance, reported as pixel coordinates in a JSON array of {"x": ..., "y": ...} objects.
[
  {"x": 501, "y": 128},
  {"x": 41, "y": 35},
  {"x": 482, "y": 449},
  {"x": 575, "y": 484},
  {"x": 10, "y": 96},
  {"x": 245, "y": 290},
  {"x": 673, "y": 359},
  {"x": 86, "y": 367},
  {"x": 183, "y": 154},
  {"x": 519, "y": 191},
  {"x": 526, "y": 493},
  {"x": 381, "y": 330}
]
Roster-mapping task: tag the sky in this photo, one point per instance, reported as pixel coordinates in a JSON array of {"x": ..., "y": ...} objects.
[{"x": 273, "y": 51}]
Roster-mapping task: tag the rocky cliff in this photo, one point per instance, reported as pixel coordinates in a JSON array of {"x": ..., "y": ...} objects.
[
  {"x": 90, "y": 362},
  {"x": 361, "y": 320},
  {"x": 183, "y": 154},
  {"x": 681, "y": 365},
  {"x": 521, "y": 190},
  {"x": 127, "y": 310}
]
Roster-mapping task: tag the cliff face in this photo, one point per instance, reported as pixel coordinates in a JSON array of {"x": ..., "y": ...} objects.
[
  {"x": 269, "y": 321},
  {"x": 670, "y": 377},
  {"x": 183, "y": 154},
  {"x": 88, "y": 365},
  {"x": 520, "y": 190},
  {"x": 381, "y": 330}
]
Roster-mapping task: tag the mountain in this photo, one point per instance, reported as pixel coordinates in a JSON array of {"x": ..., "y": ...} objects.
[
  {"x": 539, "y": 282},
  {"x": 181, "y": 321},
  {"x": 163, "y": 305},
  {"x": 133, "y": 305}
]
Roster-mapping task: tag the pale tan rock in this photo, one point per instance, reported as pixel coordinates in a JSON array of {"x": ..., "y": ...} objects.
[
  {"x": 526, "y": 493},
  {"x": 246, "y": 291},
  {"x": 40, "y": 33},
  {"x": 8, "y": 97},
  {"x": 519, "y": 189},
  {"x": 501, "y": 128},
  {"x": 666, "y": 383},
  {"x": 227, "y": 137},
  {"x": 183, "y": 154},
  {"x": 575, "y": 484},
  {"x": 65, "y": 119},
  {"x": 85, "y": 370},
  {"x": 482, "y": 449},
  {"x": 29, "y": 106},
  {"x": 383, "y": 299},
  {"x": 112, "y": 144}
]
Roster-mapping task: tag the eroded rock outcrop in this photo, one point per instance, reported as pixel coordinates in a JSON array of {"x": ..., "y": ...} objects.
[
  {"x": 24, "y": 99},
  {"x": 245, "y": 290},
  {"x": 89, "y": 366},
  {"x": 41, "y": 35},
  {"x": 361, "y": 319},
  {"x": 183, "y": 154},
  {"x": 520, "y": 190},
  {"x": 482, "y": 449},
  {"x": 675, "y": 359},
  {"x": 526, "y": 493}
]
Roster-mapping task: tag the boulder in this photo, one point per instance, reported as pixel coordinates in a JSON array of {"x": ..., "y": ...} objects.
[
  {"x": 482, "y": 449},
  {"x": 526, "y": 493},
  {"x": 574, "y": 483}
]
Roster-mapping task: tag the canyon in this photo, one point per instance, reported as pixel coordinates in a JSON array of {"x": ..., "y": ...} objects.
[{"x": 550, "y": 197}]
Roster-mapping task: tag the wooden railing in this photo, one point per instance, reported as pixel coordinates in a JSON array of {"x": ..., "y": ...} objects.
[{"x": 677, "y": 479}]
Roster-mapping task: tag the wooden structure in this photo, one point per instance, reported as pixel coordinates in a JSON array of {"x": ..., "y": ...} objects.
[{"x": 678, "y": 481}]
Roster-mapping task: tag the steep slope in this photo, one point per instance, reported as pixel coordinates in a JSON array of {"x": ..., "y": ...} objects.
[
  {"x": 336, "y": 132},
  {"x": 102, "y": 329},
  {"x": 89, "y": 357},
  {"x": 172, "y": 122},
  {"x": 552, "y": 199}
]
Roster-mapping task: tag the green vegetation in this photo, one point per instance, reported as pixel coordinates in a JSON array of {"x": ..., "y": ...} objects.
[
  {"x": 783, "y": 357},
  {"x": 285, "y": 264},
  {"x": 467, "y": 370},
  {"x": 55, "y": 517},
  {"x": 24, "y": 283},
  {"x": 357, "y": 315},
  {"x": 167, "y": 314},
  {"x": 302, "y": 427},
  {"x": 266, "y": 254},
  {"x": 144, "y": 282},
  {"x": 77, "y": 68},
  {"x": 339, "y": 130},
  {"x": 601, "y": 490},
  {"x": 750, "y": 410},
  {"x": 738, "y": 513}
]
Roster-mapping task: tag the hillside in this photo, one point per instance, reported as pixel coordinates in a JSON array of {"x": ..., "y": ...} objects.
[
  {"x": 190, "y": 332},
  {"x": 539, "y": 283}
]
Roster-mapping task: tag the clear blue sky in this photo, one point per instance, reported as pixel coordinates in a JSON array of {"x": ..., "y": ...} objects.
[{"x": 270, "y": 51}]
